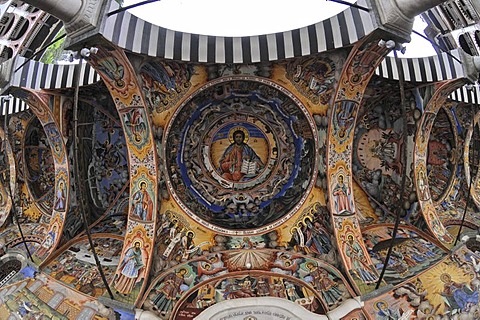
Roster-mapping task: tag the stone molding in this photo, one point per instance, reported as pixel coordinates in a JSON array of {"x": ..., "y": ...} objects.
[
  {"x": 86, "y": 19},
  {"x": 6, "y": 72},
  {"x": 470, "y": 65},
  {"x": 392, "y": 19}
]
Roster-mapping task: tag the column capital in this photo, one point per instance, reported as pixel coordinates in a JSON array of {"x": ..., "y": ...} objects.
[
  {"x": 397, "y": 16},
  {"x": 85, "y": 20},
  {"x": 80, "y": 17}
]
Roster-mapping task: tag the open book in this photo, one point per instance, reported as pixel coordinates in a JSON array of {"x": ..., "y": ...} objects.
[{"x": 249, "y": 167}]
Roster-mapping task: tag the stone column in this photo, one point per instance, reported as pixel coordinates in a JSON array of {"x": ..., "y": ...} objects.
[
  {"x": 65, "y": 10},
  {"x": 412, "y": 8}
]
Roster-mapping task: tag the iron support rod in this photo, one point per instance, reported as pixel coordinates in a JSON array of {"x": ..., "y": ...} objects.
[
  {"x": 7, "y": 185},
  {"x": 404, "y": 161},
  {"x": 78, "y": 181},
  {"x": 111, "y": 13}
]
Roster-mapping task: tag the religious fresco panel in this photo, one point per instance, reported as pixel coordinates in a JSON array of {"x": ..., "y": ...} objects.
[
  {"x": 180, "y": 234},
  {"x": 312, "y": 234},
  {"x": 455, "y": 197},
  {"x": 240, "y": 155},
  {"x": 448, "y": 290},
  {"x": 107, "y": 168},
  {"x": 54, "y": 218},
  {"x": 26, "y": 209},
  {"x": 164, "y": 83},
  {"x": 103, "y": 163},
  {"x": 39, "y": 166},
  {"x": 116, "y": 70},
  {"x": 378, "y": 150},
  {"x": 35, "y": 295},
  {"x": 248, "y": 286},
  {"x": 441, "y": 156},
  {"x": 433, "y": 214},
  {"x": 412, "y": 252},
  {"x": 356, "y": 74},
  {"x": 471, "y": 158},
  {"x": 242, "y": 273},
  {"x": 8, "y": 177},
  {"x": 76, "y": 268},
  {"x": 178, "y": 240},
  {"x": 314, "y": 77}
]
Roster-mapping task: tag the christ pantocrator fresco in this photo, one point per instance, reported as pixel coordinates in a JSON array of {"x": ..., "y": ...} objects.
[{"x": 241, "y": 155}]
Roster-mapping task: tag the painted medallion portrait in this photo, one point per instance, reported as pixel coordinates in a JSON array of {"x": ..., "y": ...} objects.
[
  {"x": 241, "y": 155},
  {"x": 245, "y": 155}
]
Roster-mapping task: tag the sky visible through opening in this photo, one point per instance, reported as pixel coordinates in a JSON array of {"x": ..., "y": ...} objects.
[{"x": 253, "y": 17}]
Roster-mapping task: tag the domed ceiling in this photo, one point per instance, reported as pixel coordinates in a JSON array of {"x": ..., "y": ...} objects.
[{"x": 241, "y": 155}]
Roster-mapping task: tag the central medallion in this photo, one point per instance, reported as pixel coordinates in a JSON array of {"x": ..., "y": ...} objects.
[
  {"x": 241, "y": 155},
  {"x": 241, "y": 152}
]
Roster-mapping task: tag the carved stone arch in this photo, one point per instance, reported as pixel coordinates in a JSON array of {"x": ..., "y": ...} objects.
[
  {"x": 358, "y": 69},
  {"x": 427, "y": 206},
  {"x": 259, "y": 308},
  {"x": 6, "y": 199},
  {"x": 39, "y": 103},
  {"x": 120, "y": 79},
  {"x": 10, "y": 264},
  {"x": 248, "y": 277}
]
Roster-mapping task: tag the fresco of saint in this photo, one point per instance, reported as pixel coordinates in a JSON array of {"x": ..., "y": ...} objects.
[
  {"x": 48, "y": 242},
  {"x": 342, "y": 196},
  {"x": 358, "y": 261},
  {"x": 131, "y": 265},
  {"x": 142, "y": 204},
  {"x": 60, "y": 198},
  {"x": 239, "y": 160}
]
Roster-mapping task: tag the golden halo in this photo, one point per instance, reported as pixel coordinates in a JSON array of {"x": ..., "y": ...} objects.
[
  {"x": 307, "y": 218},
  {"x": 180, "y": 269},
  {"x": 445, "y": 277},
  {"x": 243, "y": 129},
  {"x": 134, "y": 242},
  {"x": 375, "y": 305},
  {"x": 139, "y": 184}
]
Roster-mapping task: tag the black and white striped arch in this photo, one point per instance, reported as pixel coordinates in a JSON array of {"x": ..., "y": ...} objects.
[
  {"x": 136, "y": 35},
  {"x": 37, "y": 75}
]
